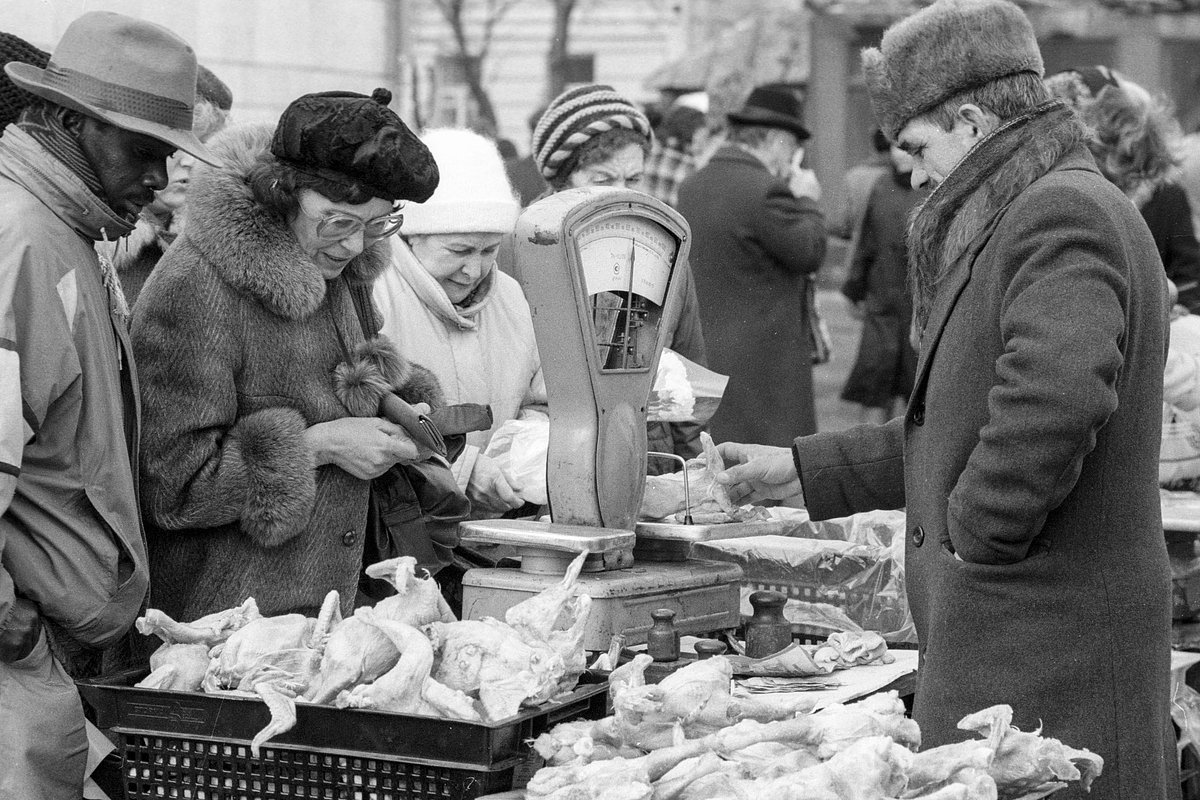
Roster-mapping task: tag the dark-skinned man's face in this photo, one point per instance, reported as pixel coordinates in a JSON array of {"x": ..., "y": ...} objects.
[{"x": 131, "y": 166}]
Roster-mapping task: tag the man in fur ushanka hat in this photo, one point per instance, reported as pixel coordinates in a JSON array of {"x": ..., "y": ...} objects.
[{"x": 1028, "y": 456}]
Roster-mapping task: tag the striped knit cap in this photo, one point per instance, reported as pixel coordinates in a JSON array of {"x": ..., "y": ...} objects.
[{"x": 577, "y": 115}]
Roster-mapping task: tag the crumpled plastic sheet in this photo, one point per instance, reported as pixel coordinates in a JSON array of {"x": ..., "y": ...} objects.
[
  {"x": 843, "y": 574},
  {"x": 1185, "y": 712}
]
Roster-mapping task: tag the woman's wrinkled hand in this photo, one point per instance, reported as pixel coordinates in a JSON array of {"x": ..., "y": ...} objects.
[
  {"x": 759, "y": 473},
  {"x": 488, "y": 489},
  {"x": 365, "y": 447}
]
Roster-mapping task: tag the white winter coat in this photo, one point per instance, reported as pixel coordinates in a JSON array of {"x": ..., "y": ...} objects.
[{"x": 484, "y": 353}]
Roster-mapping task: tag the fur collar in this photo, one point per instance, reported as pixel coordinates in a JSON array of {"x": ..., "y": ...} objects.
[
  {"x": 149, "y": 230},
  {"x": 993, "y": 174},
  {"x": 252, "y": 250}
]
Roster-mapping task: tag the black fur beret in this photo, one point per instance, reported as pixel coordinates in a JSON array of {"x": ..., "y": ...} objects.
[
  {"x": 946, "y": 48},
  {"x": 350, "y": 137}
]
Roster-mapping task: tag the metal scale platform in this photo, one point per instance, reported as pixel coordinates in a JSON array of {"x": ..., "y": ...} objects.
[{"x": 598, "y": 267}]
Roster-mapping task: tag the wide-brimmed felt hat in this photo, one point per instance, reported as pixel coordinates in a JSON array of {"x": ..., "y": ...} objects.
[
  {"x": 772, "y": 107},
  {"x": 124, "y": 71}
]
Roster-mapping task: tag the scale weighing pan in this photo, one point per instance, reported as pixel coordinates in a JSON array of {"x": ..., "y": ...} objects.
[
  {"x": 548, "y": 547},
  {"x": 672, "y": 541}
]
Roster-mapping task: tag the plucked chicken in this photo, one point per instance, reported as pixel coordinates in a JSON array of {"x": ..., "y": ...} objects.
[
  {"x": 556, "y": 617},
  {"x": 209, "y": 630},
  {"x": 489, "y": 660},
  {"x": 276, "y": 658},
  {"x": 179, "y": 667},
  {"x": 257, "y": 644},
  {"x": 860, "y": 751},
  {"x": 357, "y": 652},
  {"x": 407, "y": 687},
  {"x": 417, "y": 601}
]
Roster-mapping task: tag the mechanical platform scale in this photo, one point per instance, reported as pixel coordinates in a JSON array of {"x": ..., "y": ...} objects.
[{"x": 599, "y": 267}]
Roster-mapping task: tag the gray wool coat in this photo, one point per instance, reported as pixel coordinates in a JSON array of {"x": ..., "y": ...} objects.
[
  {"x": 236, "y": 335},
  {"x": 1035, "y": 562}
]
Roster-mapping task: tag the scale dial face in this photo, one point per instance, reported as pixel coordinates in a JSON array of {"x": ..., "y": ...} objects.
[{"x": 626, "y": 265}]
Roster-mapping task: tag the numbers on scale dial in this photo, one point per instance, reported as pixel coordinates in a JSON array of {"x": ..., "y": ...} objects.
[
  {"x": 626, "y": 265},
  {"x": 625, "y": 254}
]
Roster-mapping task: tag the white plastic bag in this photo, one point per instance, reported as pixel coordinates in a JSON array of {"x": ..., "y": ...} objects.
[
  {"x": 684, "y": 391},
  {"x": 519, "y": 448},
  {"x": 1179, "y": 456}
]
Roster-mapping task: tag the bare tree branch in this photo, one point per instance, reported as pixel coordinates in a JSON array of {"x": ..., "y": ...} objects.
[{"x": 472, "y": 59}]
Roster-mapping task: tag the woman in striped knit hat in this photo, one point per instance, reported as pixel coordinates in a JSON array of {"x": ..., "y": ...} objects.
[{"x": 593, "y": 136}]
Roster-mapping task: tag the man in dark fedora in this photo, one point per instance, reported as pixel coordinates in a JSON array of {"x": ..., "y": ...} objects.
[
  {"x": 758, "y": 239},
  {"x": 78, "y": 165}
]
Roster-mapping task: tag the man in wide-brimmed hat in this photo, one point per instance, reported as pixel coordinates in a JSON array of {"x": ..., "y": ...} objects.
[
  {"x": 758, "y": 241},
  {"x": 1035, "y": 564},
  {"x": 83, "y": 158}
]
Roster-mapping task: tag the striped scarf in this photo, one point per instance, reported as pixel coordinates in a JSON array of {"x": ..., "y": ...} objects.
[{"x": 44, "y": 123}]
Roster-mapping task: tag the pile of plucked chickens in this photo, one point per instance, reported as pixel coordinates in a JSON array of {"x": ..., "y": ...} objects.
[
  {"x": 406, "y": 654},
  {"x": 687, "y": 738}
]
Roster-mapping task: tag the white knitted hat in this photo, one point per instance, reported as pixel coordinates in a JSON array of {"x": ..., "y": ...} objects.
[{"x": 473, "y": 195}]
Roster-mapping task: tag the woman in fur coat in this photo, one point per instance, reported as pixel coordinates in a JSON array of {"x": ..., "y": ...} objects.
[{"x": 261, "y": 373}]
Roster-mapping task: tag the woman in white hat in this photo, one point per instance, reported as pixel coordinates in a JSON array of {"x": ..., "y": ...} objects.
[{"x": 446, "y": 304}]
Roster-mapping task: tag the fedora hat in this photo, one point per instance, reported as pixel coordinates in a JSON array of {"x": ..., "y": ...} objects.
[
  {"x": 124, "y": 71},
  {"x": 772, "y": 107}
]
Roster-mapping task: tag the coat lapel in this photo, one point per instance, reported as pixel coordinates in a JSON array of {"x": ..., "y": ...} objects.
[
  {"x": 949, "y": 291},
  {"x": 957, "y": 219}
]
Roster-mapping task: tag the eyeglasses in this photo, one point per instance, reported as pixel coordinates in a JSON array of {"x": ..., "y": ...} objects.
[{"x": 336, "y": 226}]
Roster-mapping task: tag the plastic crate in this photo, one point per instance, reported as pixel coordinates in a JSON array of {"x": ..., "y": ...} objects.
[{"x": 196, "y": 746}]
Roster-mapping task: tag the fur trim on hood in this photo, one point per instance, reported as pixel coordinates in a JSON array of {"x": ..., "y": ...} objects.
[
  {"x": 249, "y": 247},
  {"x": 998, "y": 169}
]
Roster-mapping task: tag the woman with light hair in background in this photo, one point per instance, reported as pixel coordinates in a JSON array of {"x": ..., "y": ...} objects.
[{"x": 1135, "y": 141}]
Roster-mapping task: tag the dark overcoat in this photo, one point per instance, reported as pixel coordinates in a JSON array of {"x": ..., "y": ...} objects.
[
  {"x": 877, "y": 277},
  {"x": 1036, "y": 568},
  {"x": 239, "y": 342},
  {"x": 754, "y": 246}
]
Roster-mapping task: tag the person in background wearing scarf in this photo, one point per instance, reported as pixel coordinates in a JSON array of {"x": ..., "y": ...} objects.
[
  {"x": 1027, "y": 460},
  {"x": 86, "y": 155}
]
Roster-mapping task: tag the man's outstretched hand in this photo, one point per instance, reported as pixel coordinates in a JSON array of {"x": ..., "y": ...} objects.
[{"x": 757, "y": 472}]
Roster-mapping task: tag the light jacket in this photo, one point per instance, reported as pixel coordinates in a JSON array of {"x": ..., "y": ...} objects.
[
  {"x": 71, "y": 540},
  {"x": 482, "y": 353}
]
